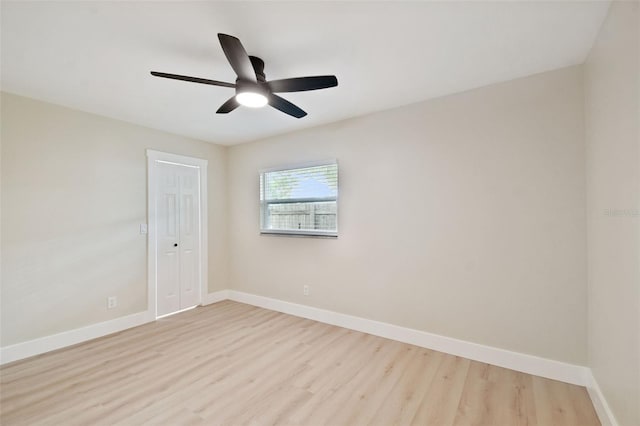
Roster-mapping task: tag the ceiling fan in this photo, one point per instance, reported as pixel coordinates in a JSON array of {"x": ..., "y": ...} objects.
[{"x": 252, "y": 88}]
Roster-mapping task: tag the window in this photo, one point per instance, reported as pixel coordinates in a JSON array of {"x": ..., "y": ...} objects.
[{"x": 300, "y": 201}]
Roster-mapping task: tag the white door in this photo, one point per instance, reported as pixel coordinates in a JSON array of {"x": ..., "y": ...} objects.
[{"x": 178, "y": 237}]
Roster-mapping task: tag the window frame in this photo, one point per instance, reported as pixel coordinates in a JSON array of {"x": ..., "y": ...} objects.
[{"x": 302, "y": 232}]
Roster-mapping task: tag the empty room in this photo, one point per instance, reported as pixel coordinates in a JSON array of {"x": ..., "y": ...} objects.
[{"x": 320, "y": 213}]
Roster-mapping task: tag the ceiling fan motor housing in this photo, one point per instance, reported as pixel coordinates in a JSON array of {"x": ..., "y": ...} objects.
[
  {"x": 243, "y": 86},
  {"x": 249, "y": 86}
]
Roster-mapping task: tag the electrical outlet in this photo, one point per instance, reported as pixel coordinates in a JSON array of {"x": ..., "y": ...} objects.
[
  {"x": 112, "y": 302},
  {"x": 305, "y": 290}
]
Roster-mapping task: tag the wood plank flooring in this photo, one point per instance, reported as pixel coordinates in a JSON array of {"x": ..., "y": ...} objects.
[{"x": 231, "y": 363}]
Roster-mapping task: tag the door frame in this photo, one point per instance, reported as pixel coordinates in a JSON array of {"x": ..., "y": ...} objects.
[{"x": 152, "y": 243}]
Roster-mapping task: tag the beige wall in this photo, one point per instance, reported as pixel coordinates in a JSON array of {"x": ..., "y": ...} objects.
[
  {"x": 462, "y": 216},
  {"x": 73, "y": 197},
  {"x": 612, "y": 93}
]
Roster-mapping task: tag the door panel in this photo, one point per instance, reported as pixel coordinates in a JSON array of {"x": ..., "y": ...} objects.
[
  {"x": 167, "y": 219},
  {"x": 189, "y": 237}
]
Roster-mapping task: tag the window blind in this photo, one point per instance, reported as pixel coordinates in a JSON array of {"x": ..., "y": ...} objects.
[{"x": 302, "y": 200}]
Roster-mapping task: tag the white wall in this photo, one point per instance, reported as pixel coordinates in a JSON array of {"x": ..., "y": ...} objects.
[
  {"x": 462, "y": 216},
  {"x": 612, "y": 107},
  {"x": 73, "y": 196}
]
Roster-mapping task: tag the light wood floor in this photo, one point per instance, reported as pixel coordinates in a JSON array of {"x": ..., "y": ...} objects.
[{"x": 231, "y": 363}]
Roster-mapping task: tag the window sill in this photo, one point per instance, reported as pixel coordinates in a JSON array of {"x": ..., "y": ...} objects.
[{"x": 285, "y": 233}]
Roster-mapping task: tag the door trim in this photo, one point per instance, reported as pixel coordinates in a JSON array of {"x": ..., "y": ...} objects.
[{"x": 153, "y": 157}]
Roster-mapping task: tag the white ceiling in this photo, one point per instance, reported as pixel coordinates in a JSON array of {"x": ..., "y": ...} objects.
[{"x": 96, "y": 56}]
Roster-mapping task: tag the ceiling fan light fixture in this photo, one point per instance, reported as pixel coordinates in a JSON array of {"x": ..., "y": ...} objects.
[{"x": 251, "y": 99}]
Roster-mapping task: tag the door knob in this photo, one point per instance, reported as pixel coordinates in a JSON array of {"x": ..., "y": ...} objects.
[{"x": 175, "y": 244}]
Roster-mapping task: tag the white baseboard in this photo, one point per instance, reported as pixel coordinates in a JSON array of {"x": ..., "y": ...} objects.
[
  {"x": 71, "y": 337},
  {"x": 530, "y": 364},
  {"x": 599, "y": 402},
  {"x": 217, "y": 296}
]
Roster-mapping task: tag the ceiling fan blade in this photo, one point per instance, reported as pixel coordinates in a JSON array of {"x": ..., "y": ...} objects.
[
  {"x": 228, "y": 106},
  {"x": 192, "y": 79},
  {"x": 301, "y": 84},
  {"x": 285, "y": 106},
  {"x": 237, "y": 57}
]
